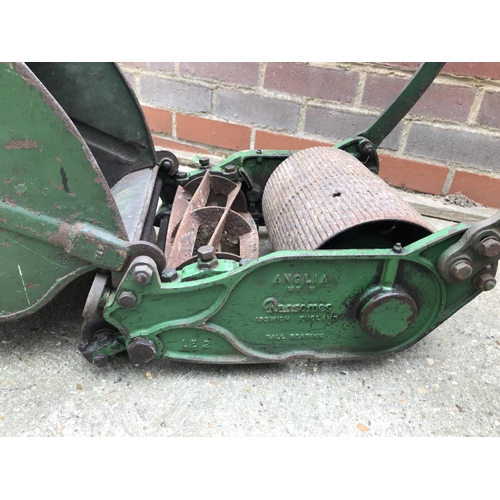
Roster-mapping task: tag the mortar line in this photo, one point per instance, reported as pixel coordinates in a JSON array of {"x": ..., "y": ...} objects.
[
  {"x": 174, "y": 124},
  {"x": 177, "y": 68},
  {"x": 213, "y": 101},
  {"x": 252, "y": 137},
  {"x": 262, "y": 75},
  {"x": 476, "y": 106},
  {"x": 448, "y": 181},
  {"x": 361, "y": 88},
  {"x": 403, "y": 138},
  {"x": 302, "y": 118}
]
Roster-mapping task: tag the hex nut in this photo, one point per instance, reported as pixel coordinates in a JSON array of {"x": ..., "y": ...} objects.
[
  {"x": 489, "y": 247},
  {"x": 206, "y": 253},
  {"x": 461, "y": 270},
  {"x": 127, "y": 299},
  {"x": 141, "y": 350},
  {"x": 485, "y": 282},
  {"x": 169, "y": 274},
  {"x": 142, "y": 274}
]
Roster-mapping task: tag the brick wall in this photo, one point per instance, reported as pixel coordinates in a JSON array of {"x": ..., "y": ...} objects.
[{"x": 449, "y": 142}]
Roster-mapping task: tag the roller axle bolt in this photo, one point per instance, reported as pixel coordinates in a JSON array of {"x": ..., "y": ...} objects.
[
  {"x": 489, "y": 247},
  {"x": 461, "y": 270}
]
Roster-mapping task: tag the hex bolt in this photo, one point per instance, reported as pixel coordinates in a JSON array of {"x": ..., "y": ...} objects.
[
  {"x": 169, "y": 274},
  {"x": 142, "y": 274},
  {"x": 181, "y": 177},
  {"x": 127, "y": 299},
  {"x": 206, "y": 257},
  {"x": 489, "y": 247},
  {"x": 485, "y": 282},
  {"x": 461, "y": 270},
  {"x": 206, "y": 253},
  {"x": 141, "y": 350},
  {"x": 101, "y": 360},
  {"x": 204, "y": 162},
  {"x": 230, "y": 169}
]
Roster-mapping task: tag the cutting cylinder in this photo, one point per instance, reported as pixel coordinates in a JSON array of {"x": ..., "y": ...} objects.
[{"x": 324, "y": 198}]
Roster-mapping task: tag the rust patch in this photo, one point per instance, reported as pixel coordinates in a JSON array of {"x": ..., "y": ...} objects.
[
  {"x": 32, "y": 285},
  {"x": 3, "y": 220},
  {"x": 9, "y": 201},
  {"x": 7, "y": 181},
  {"x": 60, "y": 239},
  {"x": 19, "y": 144}
]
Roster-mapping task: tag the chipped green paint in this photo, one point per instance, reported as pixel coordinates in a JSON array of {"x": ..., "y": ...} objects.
[{"x": 52, "y": 199}]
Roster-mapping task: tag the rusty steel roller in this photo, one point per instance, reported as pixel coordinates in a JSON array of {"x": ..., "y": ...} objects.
[{"x": 324, "y": 198}]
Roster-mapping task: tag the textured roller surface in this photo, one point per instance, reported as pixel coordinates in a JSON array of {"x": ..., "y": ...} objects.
[{"x": 320, "y": 193}]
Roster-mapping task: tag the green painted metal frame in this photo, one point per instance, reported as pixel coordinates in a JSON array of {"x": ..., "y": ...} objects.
[{"x": 67, "y": 223}]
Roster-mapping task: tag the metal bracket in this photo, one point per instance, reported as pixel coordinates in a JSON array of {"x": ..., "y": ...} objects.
[{"x": 475, "y": 254}]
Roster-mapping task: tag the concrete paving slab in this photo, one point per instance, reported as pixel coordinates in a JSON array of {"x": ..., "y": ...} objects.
[{"x": 446, "y": 385}]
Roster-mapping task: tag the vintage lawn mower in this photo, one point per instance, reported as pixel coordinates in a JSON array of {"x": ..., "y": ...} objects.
[{"x": 355, "y": 272}]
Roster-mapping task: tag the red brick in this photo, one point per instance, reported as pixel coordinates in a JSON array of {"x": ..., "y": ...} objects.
[
  {"x": 178, "y": 146},
  {"x": 311, "y": 81},
  {"x": 477, "y": 69},
  {"x": 477, "y": 187},
  {"x": 240, "y": 73},
  {"x": 380, "y": 90},
  {"x": 159, "y": 120},
  {"x": 268, "y": 140},
  {"x": 448, "y": 102},
  {"x": 422, "y": 177},
  {"x": 489, "y": 70},
  {"x": 167, "y": 67},
  {"x": 489, "y": 113},
  {"x": 213, "y": 132}
]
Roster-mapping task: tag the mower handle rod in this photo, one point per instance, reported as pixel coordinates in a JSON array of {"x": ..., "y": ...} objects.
[{"x": 403, "y": 103}]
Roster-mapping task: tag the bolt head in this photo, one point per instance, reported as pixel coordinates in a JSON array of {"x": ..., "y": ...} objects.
[
  {"x": 127, "y": 299},
  {"x": 461, "y": 270},
  {"x": 485, "y": 282},
  {"x": 206, "y": 253},
  {"x": 169, "y": 274},
  {"x": 204, "y": 161},
  {"x": 142, "y": 274},
  {"x": 101, "y": 360},
  {"x": 141, "y": 350},
  {"x": 230, "y": 169},
  {"x": 489, "y": 247}
]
